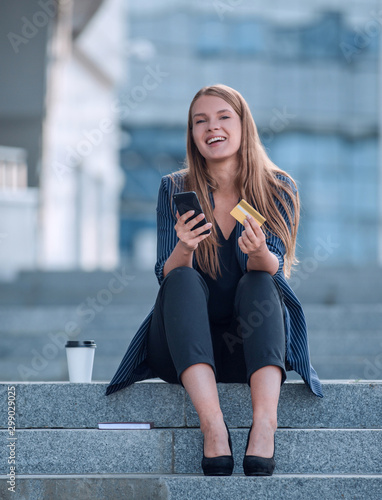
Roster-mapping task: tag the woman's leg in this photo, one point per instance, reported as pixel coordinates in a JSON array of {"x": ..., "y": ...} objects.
[
  {"x": 258, "y": 305},
  {"x": 180, "y": 350},
  {"x": 265, "y": 391},
  {"x": 179, "y": 334},
  {"x": 200, "y": 383}
]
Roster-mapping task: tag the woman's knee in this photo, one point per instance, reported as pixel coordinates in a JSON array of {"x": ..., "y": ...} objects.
[
  {"x": 255, "y": 279},
  {"x": 180, "y": 272},
  {"x": 184, "y": 277},
  {"x": 257, "y": 286}
]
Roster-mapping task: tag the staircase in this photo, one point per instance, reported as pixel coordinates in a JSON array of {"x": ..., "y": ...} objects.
[
  {"x": 326, "y": 449},
  {"x": 38, "y": 309}
]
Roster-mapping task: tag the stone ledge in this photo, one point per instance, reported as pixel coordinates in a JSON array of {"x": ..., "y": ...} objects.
[
  {"x": 346, "y": 404},
  {"x": 168, "y": 487},
  {"x": 179, "y": 451},
  {"x": 43, "y": 319}
]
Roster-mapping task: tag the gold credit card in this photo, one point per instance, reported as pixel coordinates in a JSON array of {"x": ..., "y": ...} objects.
[{"x": 243, "y": 209}]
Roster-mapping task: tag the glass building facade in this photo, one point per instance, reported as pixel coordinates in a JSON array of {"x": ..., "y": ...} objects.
[{"x": 312, "y": 78}]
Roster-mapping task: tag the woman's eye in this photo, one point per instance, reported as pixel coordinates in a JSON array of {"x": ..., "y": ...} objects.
[
  {"x": 224, "y": 117},
  {"x": 200, "y": 121}
]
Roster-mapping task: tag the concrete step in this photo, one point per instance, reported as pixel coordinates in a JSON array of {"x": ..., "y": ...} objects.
[
  {"x": 16, "y": 320},
  {"x": 53, "y": 370},
  {"x": 191, "y": 487},
  {"x": 74, "y": 287},
  {"x": 41, "y": 319},
  {"x": 179, "y": 451},
  {"x": 325, "y": 448},
  {"x": 313, "y": 282},
  {"x": 345, "y": 341},
  {"x": 346, "y": 405},
  {"x": 34, "y": 357}
]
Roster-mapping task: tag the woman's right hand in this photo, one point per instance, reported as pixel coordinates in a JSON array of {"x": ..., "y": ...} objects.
[{"x": 190, "y": 239}]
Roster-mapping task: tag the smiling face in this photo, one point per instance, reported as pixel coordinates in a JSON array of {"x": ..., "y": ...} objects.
[{"x": 216, "y": 129}]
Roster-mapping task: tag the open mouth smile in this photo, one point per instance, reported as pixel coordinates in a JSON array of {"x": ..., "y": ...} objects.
[{"x": 212, "y": 140}]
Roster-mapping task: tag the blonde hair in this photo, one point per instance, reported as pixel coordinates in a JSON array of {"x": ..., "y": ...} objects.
[{"x": 257, "y": 181}]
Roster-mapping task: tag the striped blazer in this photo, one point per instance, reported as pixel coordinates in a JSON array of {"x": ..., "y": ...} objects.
[{"x": 134, "y": 367}]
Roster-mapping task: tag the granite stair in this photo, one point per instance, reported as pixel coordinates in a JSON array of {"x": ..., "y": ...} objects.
[{"x": 326, "y": 448}]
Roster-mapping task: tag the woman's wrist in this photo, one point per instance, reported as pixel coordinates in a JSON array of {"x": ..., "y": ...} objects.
[
  {"x": 179, "y": 257},
  {"x": 264, "y": 260},
  {"x": 186, "y": 250}
]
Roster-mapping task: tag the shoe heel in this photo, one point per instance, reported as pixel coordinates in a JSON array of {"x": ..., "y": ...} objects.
[
  {"x": 257, "y": 466},
  {"x": 219, "y": 466}
]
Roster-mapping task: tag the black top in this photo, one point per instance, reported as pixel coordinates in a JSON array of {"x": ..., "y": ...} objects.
[{"x": 223, "y": 289}]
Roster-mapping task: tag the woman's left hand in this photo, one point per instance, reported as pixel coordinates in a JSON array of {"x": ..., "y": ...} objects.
[{"x": 252, "y": 239}]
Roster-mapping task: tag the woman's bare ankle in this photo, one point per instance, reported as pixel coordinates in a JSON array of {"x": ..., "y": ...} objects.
[
  {"x": 211, "y": 420},
  {"x": 261, "y": 441},
  {"x": 215, "y": 436}
]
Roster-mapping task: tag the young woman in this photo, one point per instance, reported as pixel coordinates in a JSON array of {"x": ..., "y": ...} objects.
[{"x": 224, "y": 311}]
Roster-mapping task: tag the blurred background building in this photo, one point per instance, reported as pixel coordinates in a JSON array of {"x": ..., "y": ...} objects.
[
  {"x": 89, "y": 87},
  {"x": 93, "y": 109},
  {"x": 61, "y": 62},
  {"x": 311, "y": 73}
]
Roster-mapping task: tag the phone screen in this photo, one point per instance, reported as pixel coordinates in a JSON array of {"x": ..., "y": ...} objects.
[{"x": 189, "y": 201}]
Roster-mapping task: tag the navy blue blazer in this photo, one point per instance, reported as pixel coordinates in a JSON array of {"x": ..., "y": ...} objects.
[{"x": 134, "y": 367}]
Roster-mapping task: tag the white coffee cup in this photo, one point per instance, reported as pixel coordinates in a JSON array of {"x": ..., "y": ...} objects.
[{"x": 80, "y": 356}]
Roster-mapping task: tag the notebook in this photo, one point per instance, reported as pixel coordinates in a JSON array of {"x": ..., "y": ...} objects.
[{"x": 125, "y": 425}]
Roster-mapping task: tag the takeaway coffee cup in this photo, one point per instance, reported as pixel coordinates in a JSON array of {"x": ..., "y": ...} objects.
[{"x": 80, "y": 356}]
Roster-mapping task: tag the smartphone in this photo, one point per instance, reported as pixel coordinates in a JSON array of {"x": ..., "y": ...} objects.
[{"x": 189, "y": 201}]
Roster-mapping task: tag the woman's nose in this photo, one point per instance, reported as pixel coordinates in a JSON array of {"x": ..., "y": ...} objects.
[{"x": 214, "y": 126}]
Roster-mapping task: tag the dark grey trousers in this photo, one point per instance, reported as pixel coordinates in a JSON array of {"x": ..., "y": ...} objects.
[{"x": 182, "y": 335}]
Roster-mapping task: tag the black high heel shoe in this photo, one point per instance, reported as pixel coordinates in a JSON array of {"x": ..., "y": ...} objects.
[
  {"x": 258, "y": 466},
  {"x": 218, "y": 466}
]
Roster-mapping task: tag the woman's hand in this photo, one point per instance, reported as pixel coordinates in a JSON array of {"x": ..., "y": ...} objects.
[
  {"x": 252, "y": 239},
  {"x": 190, "y": 239},
  {"x": 252, "y": 242}
]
